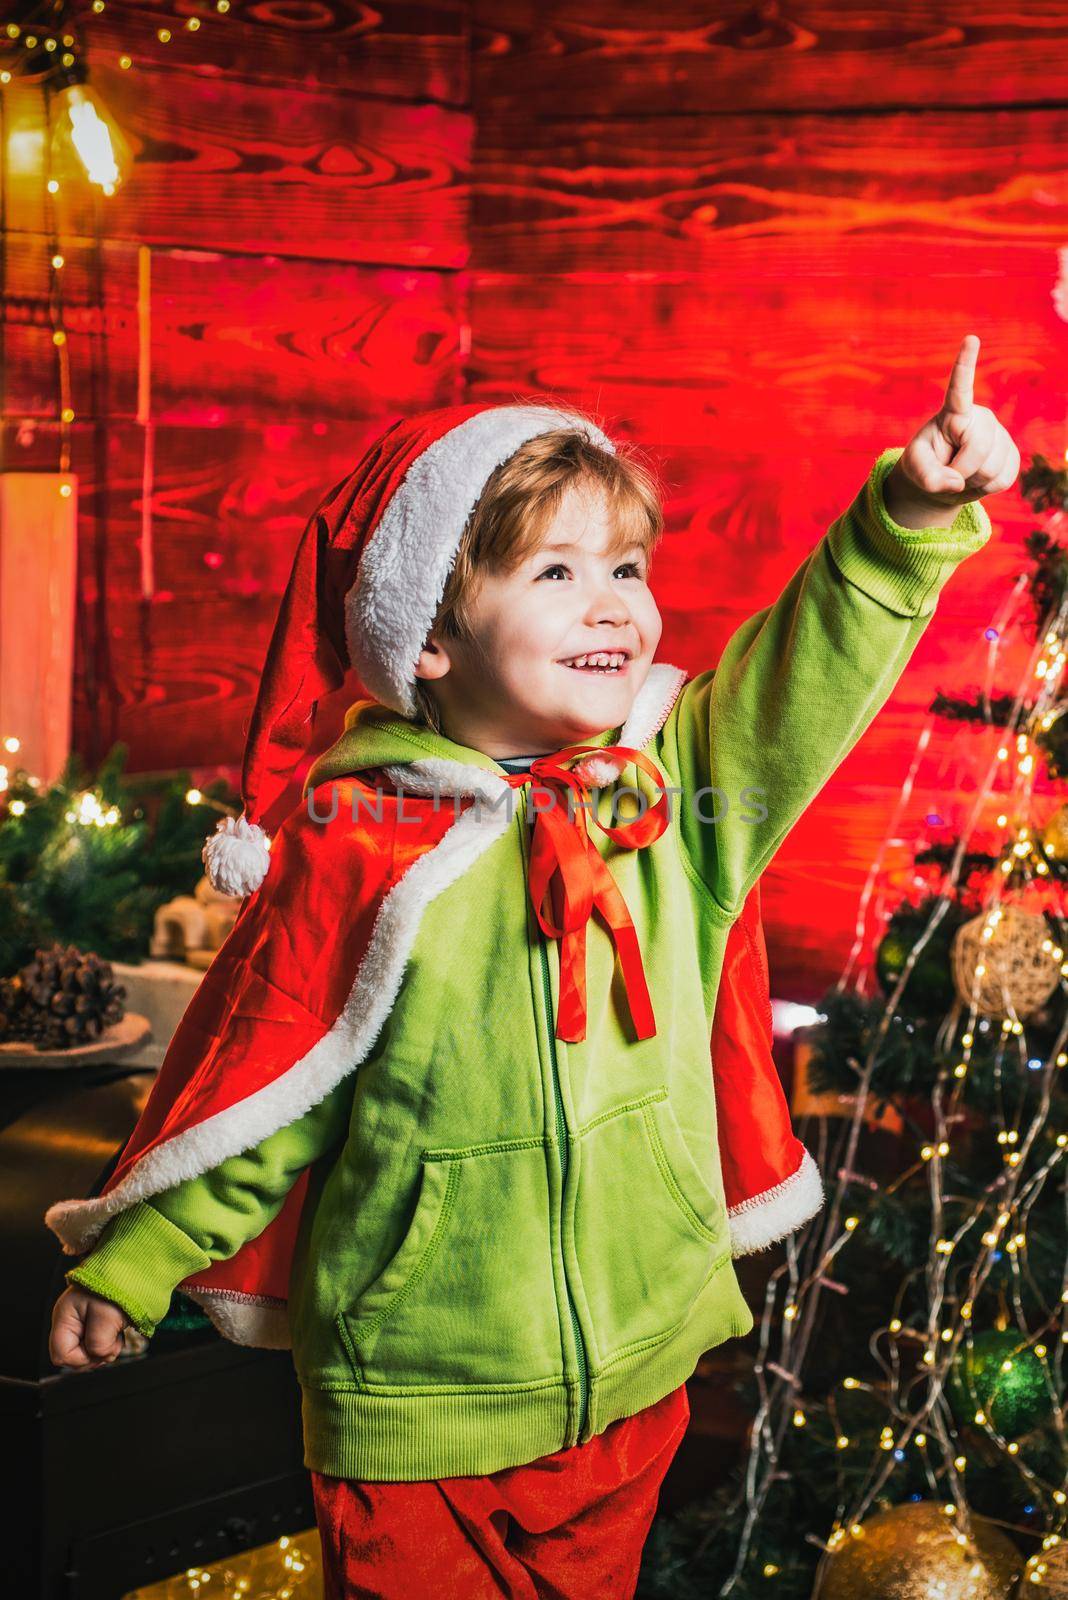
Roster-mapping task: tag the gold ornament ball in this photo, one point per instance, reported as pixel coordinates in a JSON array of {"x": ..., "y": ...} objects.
[
  {"x": 1055, "y": 835},
  {"x": 1046, "y": 1575},
  {"x": 911, "y": 1553},
  {"x": 1016, "y": 968}
]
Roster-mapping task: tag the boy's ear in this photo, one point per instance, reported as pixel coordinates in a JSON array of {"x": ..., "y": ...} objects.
[{"x": 434, "y": 661}]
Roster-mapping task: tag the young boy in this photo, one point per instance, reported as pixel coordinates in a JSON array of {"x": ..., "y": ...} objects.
[{"x": 429, "y": 1122}]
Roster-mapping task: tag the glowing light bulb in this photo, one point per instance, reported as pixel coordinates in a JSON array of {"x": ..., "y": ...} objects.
[{"x": 93, "y": 132}]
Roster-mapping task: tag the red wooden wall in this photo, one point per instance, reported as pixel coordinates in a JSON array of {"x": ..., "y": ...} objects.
[{"x": 749, "y": 236}]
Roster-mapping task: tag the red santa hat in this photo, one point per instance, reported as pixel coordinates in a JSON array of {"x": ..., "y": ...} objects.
[{"x": 367, "y": 580}]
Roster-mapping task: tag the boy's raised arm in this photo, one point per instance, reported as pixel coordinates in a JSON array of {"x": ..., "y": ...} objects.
[{"x": 799, "y": 683}]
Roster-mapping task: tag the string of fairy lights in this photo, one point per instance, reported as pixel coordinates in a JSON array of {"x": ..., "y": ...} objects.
[
  {"x": 919, "y": 1418},
  {"x": 50, "y": 54}
]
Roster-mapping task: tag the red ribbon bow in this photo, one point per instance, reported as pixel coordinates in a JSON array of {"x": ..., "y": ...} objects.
[{"x": 565, "y": 862}]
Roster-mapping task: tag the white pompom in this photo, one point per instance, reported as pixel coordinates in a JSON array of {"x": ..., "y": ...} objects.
[
  {"x": 236, "y": 856},
  {"x": 599, "y": 771}
]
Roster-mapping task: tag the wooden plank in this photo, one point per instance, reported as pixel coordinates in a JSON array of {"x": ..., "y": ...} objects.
[
  {"x": 839, "y": 342},
  {"x": 407, "y": 50},
  {"x": 225, "y": 165},
  {"x": 688, "y": 57},
  {"x": 663, "y": 194},
  {"x": 175, "y": 677},
  {"x": 232, "y": 338}
]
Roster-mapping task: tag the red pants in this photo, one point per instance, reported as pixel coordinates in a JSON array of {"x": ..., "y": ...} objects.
[{"x": 569, "y": 1526}]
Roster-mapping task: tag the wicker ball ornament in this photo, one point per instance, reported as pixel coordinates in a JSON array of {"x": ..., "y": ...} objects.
[
  {"x": 1019, "y": 975},
  {"x": 911, "y": 1553},
  {"x": 1046, "y": 1575}
]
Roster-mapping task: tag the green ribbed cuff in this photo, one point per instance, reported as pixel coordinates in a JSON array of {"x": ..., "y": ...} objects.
[
  {"x": 904, "y": 569},
  {"x": 140, "y": 1260}
]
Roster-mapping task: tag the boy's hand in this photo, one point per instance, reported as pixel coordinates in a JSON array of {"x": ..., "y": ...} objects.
[
  {"x": 962, "y": 453},
  {"x": 86, "y": 1329}
]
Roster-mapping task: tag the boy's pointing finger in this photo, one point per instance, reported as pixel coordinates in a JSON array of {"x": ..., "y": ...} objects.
[{"x": 959, "y": 392}]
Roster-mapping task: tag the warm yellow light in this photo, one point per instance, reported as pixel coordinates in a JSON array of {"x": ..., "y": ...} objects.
[
  {"x": 65, "y": 490},
  {"x": 842, "y": 1441},
  {"x": 59, "y": 337},
  {"x": 17, "y": 807},
  {"x": 93, "y": 135},
  {"x": 57, "y": 262},
  {"x": 163, "y": 35},
  {"x": 193, "y": 797},
  {"x": 53, "y": 186},
  {"x": 125, "y": 63},
  {"x": 67, "y": 414}
]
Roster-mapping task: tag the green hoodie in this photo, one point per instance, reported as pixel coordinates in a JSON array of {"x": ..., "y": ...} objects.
[{"x": 508, "y": 1241}]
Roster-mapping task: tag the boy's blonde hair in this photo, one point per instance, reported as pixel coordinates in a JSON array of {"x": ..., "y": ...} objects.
[{"x": 518, "y": 502}]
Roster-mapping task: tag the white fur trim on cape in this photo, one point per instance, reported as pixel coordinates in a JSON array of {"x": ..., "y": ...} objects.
[
  {"x": 245, "y": 1319},
  {"x": 759, "y": 1222},
  {"x": 78, "y": 1223},
  {"x": 236, "y": 856},
  {"x": 408, "y": 556}
]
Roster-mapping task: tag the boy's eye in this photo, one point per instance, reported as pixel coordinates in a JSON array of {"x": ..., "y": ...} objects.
[{"x": 630, "y": 567}]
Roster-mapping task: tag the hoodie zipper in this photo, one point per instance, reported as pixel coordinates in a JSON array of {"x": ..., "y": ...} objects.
[
  {"x": 561, "y": 1138},
  {"x": 561, "y": 1133}
]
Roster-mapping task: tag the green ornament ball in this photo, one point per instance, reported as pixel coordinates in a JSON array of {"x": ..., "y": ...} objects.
[
  {"x": 930, "y": 983},
  {"x": 998, "y": 1375}
]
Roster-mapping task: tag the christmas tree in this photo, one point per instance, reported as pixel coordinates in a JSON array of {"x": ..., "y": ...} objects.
[
  {"x": 908, "y": 1435},
  {"x": 88, "y": 859}
]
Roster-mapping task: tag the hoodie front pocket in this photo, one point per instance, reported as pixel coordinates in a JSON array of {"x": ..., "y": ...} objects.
[
  {"x": 467, "y": 1300},
  {"x": 650, "y": 1231}
]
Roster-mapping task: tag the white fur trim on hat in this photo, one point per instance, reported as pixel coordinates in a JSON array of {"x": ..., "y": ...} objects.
[
  {"x": 408, "y": 557},
  {"x": 236, "y": 856}
]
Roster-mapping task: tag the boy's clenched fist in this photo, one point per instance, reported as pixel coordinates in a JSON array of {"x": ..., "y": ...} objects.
[{"x": 86, "y": 1329}]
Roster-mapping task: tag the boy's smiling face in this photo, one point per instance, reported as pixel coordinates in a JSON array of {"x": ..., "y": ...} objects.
[{"x": 510, "y": 693}]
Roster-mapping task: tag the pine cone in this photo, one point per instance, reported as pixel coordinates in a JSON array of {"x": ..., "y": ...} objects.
[{"x": 63, "y": 998}]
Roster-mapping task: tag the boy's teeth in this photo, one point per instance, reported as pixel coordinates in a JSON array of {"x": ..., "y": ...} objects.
[{"x": 604, "y": 660}]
